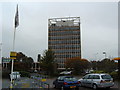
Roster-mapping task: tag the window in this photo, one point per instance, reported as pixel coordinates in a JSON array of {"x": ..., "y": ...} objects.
[
  {"x": 70, "y": 79},
  {"x": 96, "y": 77},
  {"x": 106, "y": 77},
  {"x": 90, "y": 76},
  {"x": 60, "y": 78},
  {"x": 86, "y": 77}
]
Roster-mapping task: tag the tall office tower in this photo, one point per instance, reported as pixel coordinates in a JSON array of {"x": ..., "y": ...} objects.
[{"x": 64, "y": 39}]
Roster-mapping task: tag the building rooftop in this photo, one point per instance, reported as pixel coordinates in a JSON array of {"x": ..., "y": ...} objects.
[{"x": 65, "y": 21}]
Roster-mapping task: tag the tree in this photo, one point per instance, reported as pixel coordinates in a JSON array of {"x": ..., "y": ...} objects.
[
  {"x": 22, "y": 62},
  {"x": 47, "y": 62},
  {"x": 94, "y": 65},
  {"x": 77, "y": 65},
  {"x": 107, "y": 65}
]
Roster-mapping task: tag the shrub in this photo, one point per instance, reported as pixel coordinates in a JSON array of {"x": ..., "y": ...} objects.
[
  {"x": 24, "y": 74},
  {"x": 114, "y": 75},
  {"x": 6, "y": 74},
  {"x": 97, "y": 71}
]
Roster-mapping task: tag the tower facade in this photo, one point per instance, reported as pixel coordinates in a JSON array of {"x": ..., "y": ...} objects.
[{"x": 64, "y": 39}]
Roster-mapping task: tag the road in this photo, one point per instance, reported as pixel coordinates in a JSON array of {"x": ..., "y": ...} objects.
[
  {"x": 25, "y": 82},
  {"x": 50, "y": 81}
]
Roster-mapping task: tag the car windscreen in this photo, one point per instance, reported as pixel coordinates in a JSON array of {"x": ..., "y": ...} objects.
[
  {"x": 70, "y": 79},
  {"x": 106, "y": 76}
]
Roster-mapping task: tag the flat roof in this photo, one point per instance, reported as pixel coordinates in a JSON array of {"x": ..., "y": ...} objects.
[{"x": 75, "y": 20}]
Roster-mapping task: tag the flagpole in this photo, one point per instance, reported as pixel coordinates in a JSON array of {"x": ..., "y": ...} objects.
[
  {"x": 16, "y": 24},
  {"x": 13, "y": 59},
  {"x": 14, "y": 39}
]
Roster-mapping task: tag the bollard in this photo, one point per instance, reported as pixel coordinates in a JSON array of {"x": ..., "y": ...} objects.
[
  {"x": 48, "y": 86},
  {"x": 62, "y": 88},
  {"x": 11, "y": 85}
]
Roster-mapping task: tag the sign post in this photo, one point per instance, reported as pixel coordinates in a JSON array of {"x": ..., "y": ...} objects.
[{"x": 13, "y": 55}]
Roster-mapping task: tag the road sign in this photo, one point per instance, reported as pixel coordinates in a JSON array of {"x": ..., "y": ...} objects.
[
  {"x": 13, "y": 55},
  {"x": 43, "y": 80}
]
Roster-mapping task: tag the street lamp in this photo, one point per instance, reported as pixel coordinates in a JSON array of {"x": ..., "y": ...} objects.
[{"x": 105, "y": 54}]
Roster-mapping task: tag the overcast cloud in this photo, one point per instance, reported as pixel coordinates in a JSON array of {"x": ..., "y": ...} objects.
[{"x": 99, "y": 27}]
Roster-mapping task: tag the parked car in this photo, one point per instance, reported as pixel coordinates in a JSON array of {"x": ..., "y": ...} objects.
[
  {"x": 15, "y": 75},
  {"x": 97, "y": 81},
  {"x": 66, "y": 73},
  {"x": 66, "y": 82}
]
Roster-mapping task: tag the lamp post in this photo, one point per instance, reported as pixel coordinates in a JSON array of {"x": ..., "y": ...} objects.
[{"x": 105, "y": 54}]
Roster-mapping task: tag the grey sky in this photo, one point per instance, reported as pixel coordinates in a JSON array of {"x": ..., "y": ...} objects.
[{"x": 99, "y": 27}]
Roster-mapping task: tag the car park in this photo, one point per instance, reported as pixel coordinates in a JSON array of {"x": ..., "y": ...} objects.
[
  {"x": 66, "y": 73},
  {"x": 66, "y": 82},
  {"x": 97, "y": 81}
]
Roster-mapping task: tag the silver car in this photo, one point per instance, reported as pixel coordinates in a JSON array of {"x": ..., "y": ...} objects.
[{"x": 97, "y": 81}]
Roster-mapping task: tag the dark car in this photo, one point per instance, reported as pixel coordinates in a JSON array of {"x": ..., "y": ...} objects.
[{"x": 66, "y": 82}]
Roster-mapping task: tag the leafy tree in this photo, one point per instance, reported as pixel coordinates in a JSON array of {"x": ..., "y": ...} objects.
[
  {"x": 22, "y": 62},
  {"x": 47, "y": 62},
  {"x": 94, "y": 65},
  {"x": 107, "y": 65},
  {"x": 77, "y": 65}
]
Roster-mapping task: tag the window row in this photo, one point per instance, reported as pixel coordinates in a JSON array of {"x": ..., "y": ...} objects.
[
  {"x": 64, "y": 33},
  {"x": 60, "y": 61},
  {"x": 65, "y": 42},
  {"x": 64, "y": 37},
  {"x": 63, "y": 46},
  {"x": 67, "y": 56},
  {"x": 68, "y": 51},
  {"x": 63, "y": 28},
  {"x": 61, "y": 65}
]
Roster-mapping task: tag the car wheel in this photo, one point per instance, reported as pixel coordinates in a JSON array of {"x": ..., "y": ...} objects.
[
  {"x": 107, "y": 88},
  {"x": 80, "y": 84},
  {"x": 94, "y": 86},
  {"x": 77, "y": 88},
  {"x": 54, "y": 86}
]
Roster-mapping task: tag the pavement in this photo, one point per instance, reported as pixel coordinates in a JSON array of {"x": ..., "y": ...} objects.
[
  {"x": 5, "y": 83},
  {"x": 24, "y": 82}
]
